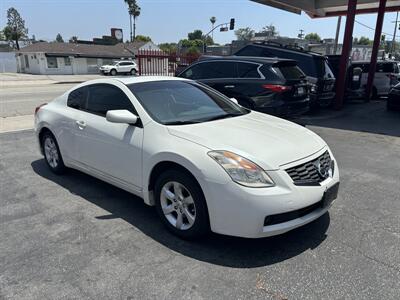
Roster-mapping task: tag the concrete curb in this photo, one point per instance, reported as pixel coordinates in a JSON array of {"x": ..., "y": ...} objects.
[{"x": 17, "y": 123}]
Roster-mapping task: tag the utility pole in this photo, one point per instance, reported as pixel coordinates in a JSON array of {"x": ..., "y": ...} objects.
[
  {"x": 339, "y": 22},
  {"x": 394, "y": 34}
]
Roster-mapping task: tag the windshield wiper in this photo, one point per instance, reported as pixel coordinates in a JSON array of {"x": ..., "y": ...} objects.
[
  {"x": 180, "y": 122},
  {"x": 222, "y": 117}
]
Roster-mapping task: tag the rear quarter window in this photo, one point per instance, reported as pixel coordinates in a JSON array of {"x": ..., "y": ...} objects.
[
  {"x": 247, "y": 70},
  {"x": 78, "y": 98},
  {"x": 291, "y": 72}
]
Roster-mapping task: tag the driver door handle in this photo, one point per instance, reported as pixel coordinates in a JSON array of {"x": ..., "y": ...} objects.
[
  {"x": 81, "y": 124},
  {"x": 229, "y": 86}
]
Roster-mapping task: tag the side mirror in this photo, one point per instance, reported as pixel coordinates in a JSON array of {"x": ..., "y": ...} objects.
[
  {"x": 121, "y": 116},
  {"x": 234, "y": 100}
]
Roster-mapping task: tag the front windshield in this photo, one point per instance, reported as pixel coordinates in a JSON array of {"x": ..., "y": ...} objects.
[{"x": 174, "y": 102}]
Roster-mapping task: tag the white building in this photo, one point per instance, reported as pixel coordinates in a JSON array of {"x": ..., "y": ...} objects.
[{"x": 74, "y": 58}]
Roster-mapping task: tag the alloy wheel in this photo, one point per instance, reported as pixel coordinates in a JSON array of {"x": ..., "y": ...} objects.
[
  {"x": 177, "y": 205},
  {"x": 51, "y": 152}
]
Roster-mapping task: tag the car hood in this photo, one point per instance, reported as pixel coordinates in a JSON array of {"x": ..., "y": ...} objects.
[{"x": 266, "y": 140}]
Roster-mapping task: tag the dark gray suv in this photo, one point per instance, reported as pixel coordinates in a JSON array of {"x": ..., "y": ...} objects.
[{"x": 274, "y": 86}]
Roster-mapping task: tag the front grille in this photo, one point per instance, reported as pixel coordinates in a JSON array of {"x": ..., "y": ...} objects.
[{"x": 312, "y": 172}]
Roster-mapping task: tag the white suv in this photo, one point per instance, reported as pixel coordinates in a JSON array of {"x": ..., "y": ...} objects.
[
  {"x": 119, "y": 67},
  {"x": 387, "y": 75}
]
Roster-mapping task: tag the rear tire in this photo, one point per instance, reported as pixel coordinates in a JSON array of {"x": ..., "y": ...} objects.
[
  {"x": 374, "y": 94},
  {"x": 181, "y": 205},
  {"x": 52, "y": 153}
]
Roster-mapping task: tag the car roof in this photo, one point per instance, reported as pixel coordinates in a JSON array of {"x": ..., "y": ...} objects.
[
  {"x": 134, "y": 79},
  {"x": 261, "y": 60},
  {"x": 286, "y": 48}
]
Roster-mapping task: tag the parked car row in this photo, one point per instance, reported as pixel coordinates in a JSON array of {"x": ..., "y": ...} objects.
[
  {"x": 269, "y": 78},
  {"x": 274, "y": 86}
]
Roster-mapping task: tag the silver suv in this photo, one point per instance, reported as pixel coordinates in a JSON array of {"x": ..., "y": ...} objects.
[{"x": 387, "y": 75}]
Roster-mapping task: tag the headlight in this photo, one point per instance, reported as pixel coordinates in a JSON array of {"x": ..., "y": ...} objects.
[
  {"x": 242, "y": 170},
  {"x": 313, "y": 88}
]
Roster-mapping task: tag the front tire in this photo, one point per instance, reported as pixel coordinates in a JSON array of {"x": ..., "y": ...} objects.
[
  {"x": 113, "y": 72},
  {"x": 52, "y": 153},
  {"x": 181, "y": 205},
  {"x": 133, "y": 72}
]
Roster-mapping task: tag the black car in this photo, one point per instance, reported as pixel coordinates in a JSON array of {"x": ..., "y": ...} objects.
[
  {"x": 393, "y": 101},
  {"x": 314, "y": 65},
  {"x": 274, "y": 86}
]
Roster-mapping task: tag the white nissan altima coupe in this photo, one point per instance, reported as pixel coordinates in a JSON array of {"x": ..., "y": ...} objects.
[{"x": 205, "y": 162}]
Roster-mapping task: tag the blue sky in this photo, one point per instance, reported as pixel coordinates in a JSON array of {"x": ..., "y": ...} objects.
[{"x": 167, "y": 20}]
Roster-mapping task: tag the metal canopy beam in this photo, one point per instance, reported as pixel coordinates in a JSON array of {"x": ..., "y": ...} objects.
[
  {"x": 344, "y": 59},
  {"x": 375, "y": 48},
  {"x": 329, "y": 8}
]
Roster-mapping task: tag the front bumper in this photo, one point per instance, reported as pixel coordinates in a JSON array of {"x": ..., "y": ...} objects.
[
  {"x": 322, "y": 99},
  {"x": 241, "y": 211},
  {"x": 104, "y": 71}
]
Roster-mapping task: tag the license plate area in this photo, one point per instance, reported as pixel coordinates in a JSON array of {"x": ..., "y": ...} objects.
[{"x": 330, "y": 195}]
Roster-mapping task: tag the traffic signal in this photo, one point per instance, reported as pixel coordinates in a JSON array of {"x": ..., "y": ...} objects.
[
  {"x": 399, "y": 26},
  {"x": 232, "y": 24}
]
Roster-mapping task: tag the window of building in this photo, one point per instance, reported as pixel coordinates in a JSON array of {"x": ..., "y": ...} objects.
[
  {"x": 26, "y": 61},
  {"x": 52, "y": 62},
  {"x": 67, "y": 61}
]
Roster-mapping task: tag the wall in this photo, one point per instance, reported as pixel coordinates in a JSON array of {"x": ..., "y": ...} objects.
[
  {"x": 7, "y": 62},
  {"x": 38, "y": 65}
]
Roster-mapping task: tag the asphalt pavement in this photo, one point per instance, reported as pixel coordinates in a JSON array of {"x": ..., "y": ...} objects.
[{"x": 76, "y": 237}]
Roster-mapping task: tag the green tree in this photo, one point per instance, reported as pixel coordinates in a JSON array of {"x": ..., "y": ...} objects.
[
  {"x": 195, "y": 35},
  {"x": 134, "y": 13},
  {"x": 313, "y": 37},
  {"x": 73, "y": 39},
  {"x": 15, "y": 29},
  {"x": 362, "y": 41},
  {"x": 168, "y": 47},
  {"x": 59, "y": 38},
  {"x": 193, "y": 50},
  {"x": 142, "y": 38},
  {"x": 244, "y": 34},
  {"x": 270, "y": 30}
]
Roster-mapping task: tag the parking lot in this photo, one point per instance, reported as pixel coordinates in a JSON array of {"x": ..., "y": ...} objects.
[{"x": 75, "y": 237}]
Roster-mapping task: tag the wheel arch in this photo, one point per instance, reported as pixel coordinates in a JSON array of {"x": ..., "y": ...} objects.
[
  {"x": 160, "y": 167},
  {"x": 41, "y": 133}
]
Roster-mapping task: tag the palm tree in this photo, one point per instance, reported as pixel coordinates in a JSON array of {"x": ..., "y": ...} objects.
[
  {"x": 271, "y": 30},
  {"x": 213, "y": 20},
  {"x": 134, "y": 12}
]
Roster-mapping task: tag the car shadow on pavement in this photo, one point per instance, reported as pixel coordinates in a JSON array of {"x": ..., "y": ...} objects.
[
  {"x": 214, "y": 248},
  {"x": 371, "y": 117}
]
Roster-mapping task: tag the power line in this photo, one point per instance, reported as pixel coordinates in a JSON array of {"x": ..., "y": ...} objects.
[{"x": 369, "y": 27}]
